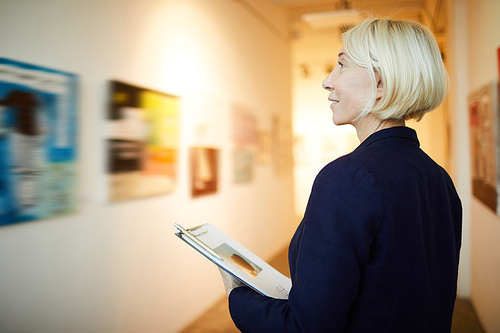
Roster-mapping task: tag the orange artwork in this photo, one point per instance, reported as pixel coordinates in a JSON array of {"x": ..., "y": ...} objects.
[
  {"x": 143, "y": 141},
  {"x": 204, "y": 171}
]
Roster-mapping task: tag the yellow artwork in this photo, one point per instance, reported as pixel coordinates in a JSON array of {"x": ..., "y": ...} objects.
[{"x": 143, "y": 137}]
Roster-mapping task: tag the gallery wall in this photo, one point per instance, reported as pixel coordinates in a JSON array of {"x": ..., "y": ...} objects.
[
  {"x": 317, "y": 140},
  {"x": 483, "y": 40},
  {"x": 117, "y": 267}
]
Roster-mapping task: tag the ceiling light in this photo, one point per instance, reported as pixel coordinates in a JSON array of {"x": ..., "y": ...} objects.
[{"x": 332, "y": 19}]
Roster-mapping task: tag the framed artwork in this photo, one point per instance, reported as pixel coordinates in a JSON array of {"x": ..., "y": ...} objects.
[
  {"x": 498, "y": 64},
  {"x": 264, "y": 148},
  {"x": 204, "y": 171},
  {"x": 282, "y": 145},
  {"x": 143, "y": 142},
  {"x": 483, "y": 133},
  {"x": 245, "y": 140},
  {"x": 38, "y": 142},
  {"x": 243, "y": 165}
]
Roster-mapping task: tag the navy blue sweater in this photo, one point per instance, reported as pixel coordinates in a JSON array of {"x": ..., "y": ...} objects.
[{"x": 377, "y": 250}]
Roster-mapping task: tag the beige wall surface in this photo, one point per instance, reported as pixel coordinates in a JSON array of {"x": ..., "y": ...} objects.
[
  {"x": 119, "y": 267},
  {"x": 483, "y": 39}
]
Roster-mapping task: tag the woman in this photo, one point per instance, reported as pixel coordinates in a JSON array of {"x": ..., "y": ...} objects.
[{"x": 378, "y": 248}]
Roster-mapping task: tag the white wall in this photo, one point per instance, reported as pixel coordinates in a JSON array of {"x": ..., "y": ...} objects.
[
  {"x": 459, "y": 130},
  {"x": 317, "y": 140},
  {"x": 118, "y": 267},
  {"x": 483, "y": 39}
]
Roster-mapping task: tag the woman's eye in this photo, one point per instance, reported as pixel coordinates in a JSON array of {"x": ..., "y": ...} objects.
[{"x": 340, "y": 64}]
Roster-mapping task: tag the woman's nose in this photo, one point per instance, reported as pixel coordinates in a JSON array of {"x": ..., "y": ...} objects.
[{"x": 328, "y": 82}]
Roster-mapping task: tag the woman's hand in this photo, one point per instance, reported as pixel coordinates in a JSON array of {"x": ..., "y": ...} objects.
[{"x": 229, "y": 281}]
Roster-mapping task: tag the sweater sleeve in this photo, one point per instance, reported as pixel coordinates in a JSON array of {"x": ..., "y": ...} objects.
[{"x": 327, "y": 255}]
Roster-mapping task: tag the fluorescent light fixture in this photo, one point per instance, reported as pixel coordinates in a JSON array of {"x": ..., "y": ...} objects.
[{"x": 331, "y": 19}]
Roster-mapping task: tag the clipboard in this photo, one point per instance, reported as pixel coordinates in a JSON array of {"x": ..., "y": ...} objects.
[{"x": 237, "y": 260}]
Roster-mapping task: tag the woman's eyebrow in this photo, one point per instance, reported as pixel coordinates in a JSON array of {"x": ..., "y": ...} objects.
[{"x": 341, "y": 54}]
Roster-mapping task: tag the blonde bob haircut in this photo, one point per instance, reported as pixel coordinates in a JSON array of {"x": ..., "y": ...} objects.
[{"x": 406, "y": 56}]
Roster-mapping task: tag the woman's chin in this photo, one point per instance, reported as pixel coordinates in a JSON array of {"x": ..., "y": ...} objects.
[{"x": 338, "y": 122}]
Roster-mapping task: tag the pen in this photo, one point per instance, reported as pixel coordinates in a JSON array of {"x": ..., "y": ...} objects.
[{"x": 197, "y": 241}]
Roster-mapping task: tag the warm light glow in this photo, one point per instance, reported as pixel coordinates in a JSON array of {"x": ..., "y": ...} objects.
[{"x": 331, "y": 19}]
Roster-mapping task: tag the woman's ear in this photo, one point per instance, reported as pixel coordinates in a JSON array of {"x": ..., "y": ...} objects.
[{"x": 380, "y": 87}]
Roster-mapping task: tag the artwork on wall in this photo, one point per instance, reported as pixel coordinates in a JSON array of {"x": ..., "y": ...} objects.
[
  {"x": 245, "y": 138},
  {"x": 264, "y": 148},
  {"x": 243, "y": 165},
  {"x": 38, "y": 142},
  {"x": 498, "y": 65},
  {"x": 282, "y": 145},
  {"x": 483, "y": 129},
  {"x": 204, "y": 171},
  {"x": 143, "y": 142}
]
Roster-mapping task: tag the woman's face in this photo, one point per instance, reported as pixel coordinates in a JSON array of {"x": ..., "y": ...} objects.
[{"x": 350, "y": 88}]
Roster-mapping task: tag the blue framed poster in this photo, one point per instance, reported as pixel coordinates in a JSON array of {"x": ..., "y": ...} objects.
[{"x": 38, "y": 142}]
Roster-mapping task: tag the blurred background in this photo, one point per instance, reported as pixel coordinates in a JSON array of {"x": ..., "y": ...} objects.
[{"x": 194, "y": 111}]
